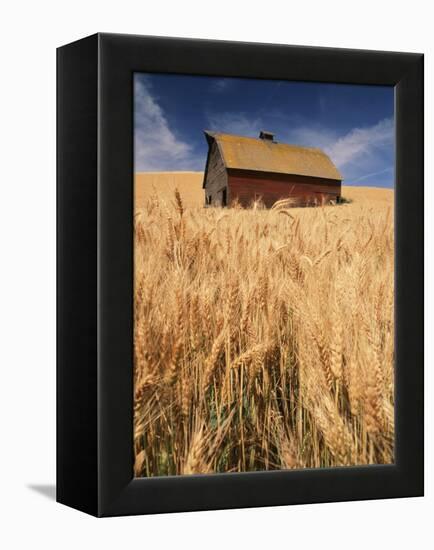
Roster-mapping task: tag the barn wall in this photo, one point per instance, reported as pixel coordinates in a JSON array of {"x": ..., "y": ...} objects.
[
  {"x": 247, "y": 186},
  {"x": 216, "y": 177}
]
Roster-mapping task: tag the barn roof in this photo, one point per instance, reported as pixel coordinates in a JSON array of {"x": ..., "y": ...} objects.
[{"x": 265, "y": 155}]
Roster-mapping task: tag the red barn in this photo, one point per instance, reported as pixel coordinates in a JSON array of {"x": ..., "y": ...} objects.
[{"x": 244, "y": 169}]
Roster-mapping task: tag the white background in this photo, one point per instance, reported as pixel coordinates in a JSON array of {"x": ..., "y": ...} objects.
[{"x": 29, "y": 34}]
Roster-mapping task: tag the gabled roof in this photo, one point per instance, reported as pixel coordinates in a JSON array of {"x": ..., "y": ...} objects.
[{"x": 264, "y": 155}]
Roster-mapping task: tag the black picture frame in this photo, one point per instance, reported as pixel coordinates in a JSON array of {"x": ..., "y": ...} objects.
[{"x": 95, "y": 274}]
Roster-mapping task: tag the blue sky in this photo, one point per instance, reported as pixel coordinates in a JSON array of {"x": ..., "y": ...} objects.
[{"x": 353, "y": 124}]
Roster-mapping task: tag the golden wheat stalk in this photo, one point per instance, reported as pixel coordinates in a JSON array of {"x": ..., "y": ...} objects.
[{"x": 262, "y": 340}]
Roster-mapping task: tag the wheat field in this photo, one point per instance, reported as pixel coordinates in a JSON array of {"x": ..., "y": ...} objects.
[{"x": 263, "y": 338}]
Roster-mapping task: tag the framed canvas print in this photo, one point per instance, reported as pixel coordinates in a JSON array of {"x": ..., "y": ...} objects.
[{"x": 240, "y": 275}]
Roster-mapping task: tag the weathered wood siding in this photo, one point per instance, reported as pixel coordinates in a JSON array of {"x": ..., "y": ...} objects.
[
  {"x": 246, "y": 186},
  {"x": 216, "y": 178}
]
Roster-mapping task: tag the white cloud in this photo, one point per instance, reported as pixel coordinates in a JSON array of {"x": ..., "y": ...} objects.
[
  {"x": 360, "y": 154},
  {"x": 311, "y": 136},
  {"x": 361, "y": 142},
  {"x": 372, "y": 174},
  {"x": 235, "y": 123},
  {"x": 156, "y": 147},
  {"x": 357, "y": 144}
]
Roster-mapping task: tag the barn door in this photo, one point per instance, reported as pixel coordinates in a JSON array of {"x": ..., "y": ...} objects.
[{"x": 225, "y": 197}]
